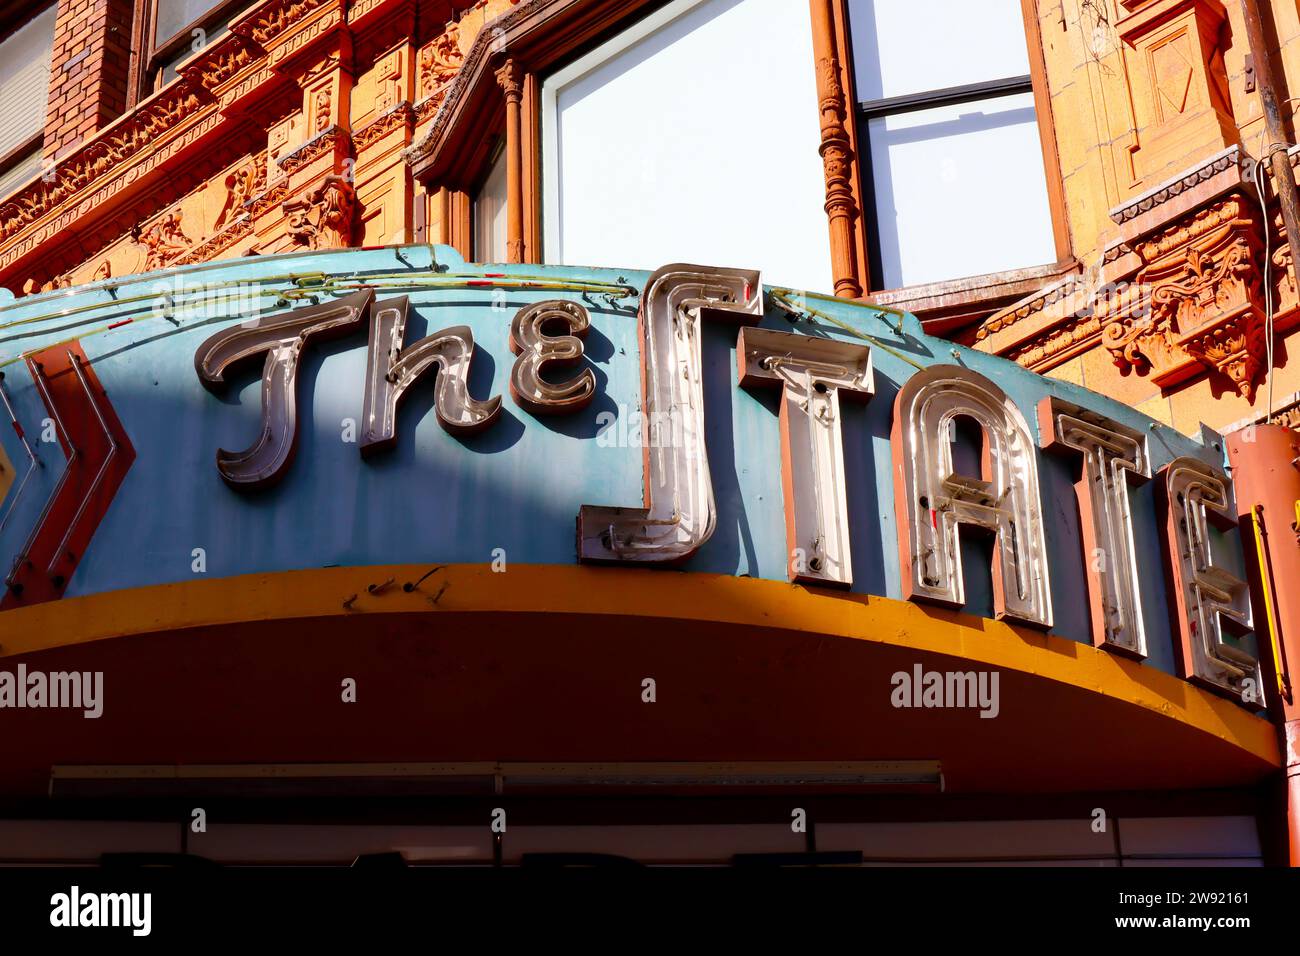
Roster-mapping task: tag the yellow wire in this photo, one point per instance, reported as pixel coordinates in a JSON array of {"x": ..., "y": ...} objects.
[
  {"x": 781, "y": 296},
  {"x": 1266, "y": 584},
  {"x": 521, "y": 283}
]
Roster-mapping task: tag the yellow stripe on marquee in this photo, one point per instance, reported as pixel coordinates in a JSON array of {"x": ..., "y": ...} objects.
[{"x": 628, "y": 592}]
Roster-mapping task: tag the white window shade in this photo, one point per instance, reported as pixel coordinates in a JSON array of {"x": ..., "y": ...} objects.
[
  {"x": 691, "y": 137},
  {"x": 25, "y": 80},
  {"x": 959, "y": 191},
  {"x": 490, "y": 215}
]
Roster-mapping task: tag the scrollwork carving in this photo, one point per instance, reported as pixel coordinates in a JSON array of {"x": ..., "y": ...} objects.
[
  {"x": 1204, "y": 277},
  {"x": 324, "y": 217},
  {"x": 440, "y": 61},
  {"x": 162, "y": 241}
]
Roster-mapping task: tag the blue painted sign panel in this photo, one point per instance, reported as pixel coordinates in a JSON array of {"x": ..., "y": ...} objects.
[{"x": 518, "y": 485}]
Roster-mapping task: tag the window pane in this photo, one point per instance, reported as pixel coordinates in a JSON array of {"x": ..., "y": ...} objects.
[
  {"x": 20, "y": 171},
  {"x": 25, "y": 80},
  {"x": 915, "y": 46},
  {"x": 692, "y": 139},
  {"x": 490, "y": 215},
  {"x": 175, "y": 15},
  {"x": 959, "y": 191},
  {"x": 171, "y": 68}
]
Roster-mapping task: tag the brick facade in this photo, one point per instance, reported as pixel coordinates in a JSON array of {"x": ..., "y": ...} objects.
[{"x": 89, "y": 71}]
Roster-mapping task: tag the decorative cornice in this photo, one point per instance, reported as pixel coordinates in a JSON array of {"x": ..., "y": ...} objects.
[
  {"x": 1172, "y": 188},
  {"x": 327, "y": 141},
  {"x": 1205, "y": 304},
  {"x": 270, "y": 20},
  {"x": 215, "y": 245},
  {"x": 400, "y": 116},
  {"x": 225, "y": 61},
  {"x": 1026, "y": 307},
  {"x": 188, "y": 107},
  {"x": 485, "y": 44},
  {"x": 264, "y": 201},
  {"x": 117, "y": 144},
  {"x": 1059, "y": 344},
  {"x": 429, "y": 106},
  {"x": 1192, "y": 209}
]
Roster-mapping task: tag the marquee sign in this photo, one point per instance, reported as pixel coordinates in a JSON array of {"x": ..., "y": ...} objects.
[{"x": 782, "y": 435}]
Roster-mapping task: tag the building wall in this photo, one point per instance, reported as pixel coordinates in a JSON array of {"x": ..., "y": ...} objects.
[
  {"x": 89, "y": 72},
  {"x": 284, "y": 133},
  {"x": 308, "y": 125},
  {"x": 1168, "y": 305}
]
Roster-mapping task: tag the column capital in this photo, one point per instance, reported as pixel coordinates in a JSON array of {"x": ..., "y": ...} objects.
[{"x": 511, "y": 79}]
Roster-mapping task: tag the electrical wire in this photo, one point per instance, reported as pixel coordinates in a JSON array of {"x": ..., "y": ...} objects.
[
  {"x": 782, "y": 297},
  {"x": 306, "y": 286},
  {"x": 1258, "y": 174}
]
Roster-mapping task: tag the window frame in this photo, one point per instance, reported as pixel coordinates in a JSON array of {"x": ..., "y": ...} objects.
[
  {"x": 33, "y": 142},
  {"x": 636, "y": 27},
  {"x": 1033, "y": 82},
  {"x": 151, "y": 57}
]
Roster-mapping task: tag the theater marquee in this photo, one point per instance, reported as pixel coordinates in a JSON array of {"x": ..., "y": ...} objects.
[{"x": 778, "y": 434}]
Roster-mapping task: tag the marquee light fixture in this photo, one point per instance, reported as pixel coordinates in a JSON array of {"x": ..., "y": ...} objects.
[
  {"x": 1113, "y": 456},
  {"x": 282, "y": 339},
  {"x": 932, "y": 499},
  {"x": 538, "y": 351},
  {"x": 679, "y": 513},
  {"x": 1205, "y": 598},
  {"x": 392, "y": 369},
  {"x": 811, "y": 373}
]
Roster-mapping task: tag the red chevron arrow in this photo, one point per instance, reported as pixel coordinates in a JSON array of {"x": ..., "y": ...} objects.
[{"x": 99, "y": 454}]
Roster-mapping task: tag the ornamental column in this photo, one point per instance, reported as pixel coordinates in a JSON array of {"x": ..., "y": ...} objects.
[
  {"x": 837, "y": 154},
  {"x": 511, "y": 77}
]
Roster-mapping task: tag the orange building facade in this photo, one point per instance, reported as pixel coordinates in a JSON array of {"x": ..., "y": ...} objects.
[
  {"x": 1103, "y": 206},
  {"x": 319, "y": 125}
]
